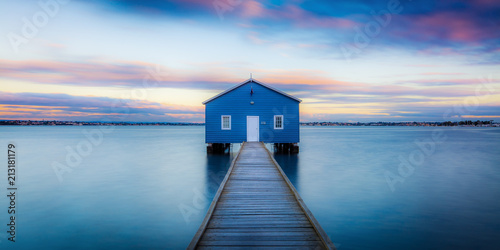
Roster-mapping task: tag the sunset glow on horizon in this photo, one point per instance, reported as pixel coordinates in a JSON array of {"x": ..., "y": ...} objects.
[{"x": 157, "y": 61}]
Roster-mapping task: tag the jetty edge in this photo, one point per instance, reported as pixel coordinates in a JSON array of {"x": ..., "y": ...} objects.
[{"x": 256, "y": 205}]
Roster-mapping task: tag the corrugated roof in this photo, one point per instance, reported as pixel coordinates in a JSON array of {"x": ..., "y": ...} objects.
[{"x": 255, "y": 81}]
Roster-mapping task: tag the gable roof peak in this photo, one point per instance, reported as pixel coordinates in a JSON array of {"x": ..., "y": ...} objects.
[{"x": 254, "y": 81}]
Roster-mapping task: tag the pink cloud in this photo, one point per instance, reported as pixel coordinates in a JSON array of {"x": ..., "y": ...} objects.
[
  {"x": 254, "y": 37},
  {"x": 296, "y": 15},
  {"x": 452, "y": 26},
  {"x": 451, "y": 81},
  {"x": 108, "y": 73},
  {"x": 304, "y": 83},
  {"x": 305, "y": 19},
  {"x": 441, "y": 73},
  {"x": 94, "y": 73},
  {"x": 252, "y": 9}
]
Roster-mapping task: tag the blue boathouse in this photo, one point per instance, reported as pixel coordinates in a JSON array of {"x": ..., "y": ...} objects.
[{"x": 252, "y": 111}]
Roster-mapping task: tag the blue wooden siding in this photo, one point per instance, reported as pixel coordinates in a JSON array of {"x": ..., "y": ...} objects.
[{"x": 267, "y": 104}]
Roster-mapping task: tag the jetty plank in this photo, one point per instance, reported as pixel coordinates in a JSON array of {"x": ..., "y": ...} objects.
[{"x": 256, "y": 206}]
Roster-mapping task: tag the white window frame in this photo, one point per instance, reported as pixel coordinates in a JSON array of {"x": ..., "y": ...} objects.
[
  {"x": 222, "y": 122},
  {"x": 282, "y": 122}
]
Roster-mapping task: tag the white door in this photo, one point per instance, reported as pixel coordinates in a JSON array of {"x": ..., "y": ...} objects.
[{"x": 252, "y": 128}]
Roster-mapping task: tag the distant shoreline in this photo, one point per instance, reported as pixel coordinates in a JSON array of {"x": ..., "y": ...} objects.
[
  {"x": 468, "y": 123},
  {"x": 79, "y": 123}
]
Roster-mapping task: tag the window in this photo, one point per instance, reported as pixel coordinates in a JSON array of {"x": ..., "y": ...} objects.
[
  {"x": 278, "y": 122},
  {"x": 226, "y": 122}
]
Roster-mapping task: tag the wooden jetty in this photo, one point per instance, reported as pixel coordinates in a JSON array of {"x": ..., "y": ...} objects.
[{"x": 256, "y": 206}]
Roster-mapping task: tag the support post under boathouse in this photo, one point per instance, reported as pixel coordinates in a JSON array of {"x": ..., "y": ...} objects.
[{"x": 252, "y": 112}]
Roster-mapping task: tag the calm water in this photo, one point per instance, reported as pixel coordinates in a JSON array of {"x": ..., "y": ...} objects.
[{"x": 150, "y": 187}]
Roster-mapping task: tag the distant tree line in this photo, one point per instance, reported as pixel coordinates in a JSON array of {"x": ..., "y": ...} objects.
[
  {"x": 466, "y": 123},
  {"x": 447, "y": 123}
]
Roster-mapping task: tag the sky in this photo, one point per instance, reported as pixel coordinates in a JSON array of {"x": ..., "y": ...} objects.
[{"x": 157, "y": 61}]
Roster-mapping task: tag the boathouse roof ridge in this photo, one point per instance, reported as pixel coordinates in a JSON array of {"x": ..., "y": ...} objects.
[{"x": 255, "y": 81}]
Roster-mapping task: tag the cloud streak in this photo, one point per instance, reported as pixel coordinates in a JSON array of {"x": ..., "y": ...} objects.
[
  {"x": 314, "y": 86},
  {"x": 420, "y": 22},
  {"x": 85, "y": 108},
  {"x": 426, "y": 56}
]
